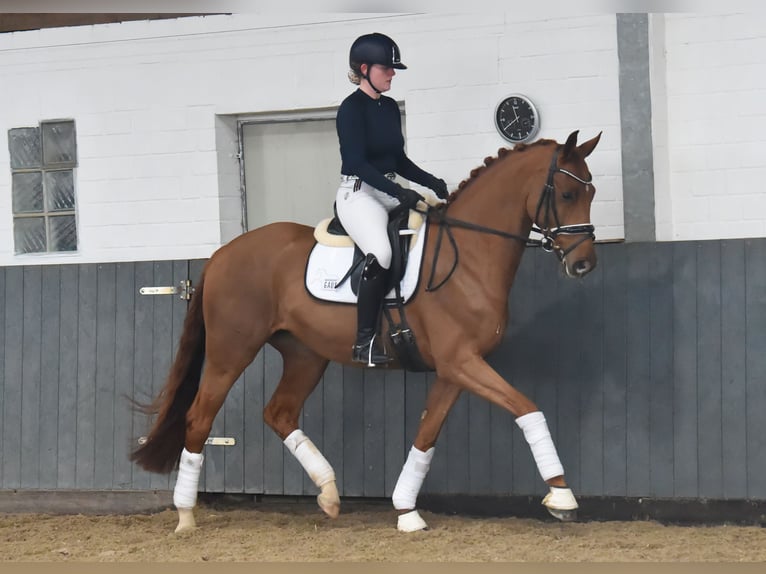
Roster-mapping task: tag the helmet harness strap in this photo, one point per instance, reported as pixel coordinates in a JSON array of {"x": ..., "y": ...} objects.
[{"x": 367, "y": 77}]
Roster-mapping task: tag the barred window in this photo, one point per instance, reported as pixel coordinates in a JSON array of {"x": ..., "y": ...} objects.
[{"x": 43, "y": 162}]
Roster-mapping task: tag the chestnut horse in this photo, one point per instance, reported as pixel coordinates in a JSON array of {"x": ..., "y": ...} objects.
[{"x": 252, "y": 292}]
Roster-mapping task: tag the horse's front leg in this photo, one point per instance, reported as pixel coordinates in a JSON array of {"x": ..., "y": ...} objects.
[
  {"x": 474, "y": 374},
  {"x": 440, "y": 400}
]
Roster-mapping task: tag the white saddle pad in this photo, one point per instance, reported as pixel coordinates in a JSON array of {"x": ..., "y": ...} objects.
[{"x": 327, "y": 265}]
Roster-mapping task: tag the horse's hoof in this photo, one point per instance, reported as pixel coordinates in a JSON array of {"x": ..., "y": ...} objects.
[
  {"x": 561, "y": 503},
  {"x": 329, "y": 500},
  {"x": 411, "y": 522},
  {"x": 186, "y": 520},
  {"x": 564, "y": 515},
  {"x": 329, "y": 507}
]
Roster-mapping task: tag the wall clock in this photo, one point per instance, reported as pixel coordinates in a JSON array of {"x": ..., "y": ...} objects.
[{"x": 516, "y": 118}]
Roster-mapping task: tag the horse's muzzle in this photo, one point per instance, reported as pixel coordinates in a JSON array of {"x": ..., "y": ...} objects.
[{"x": 579, "y": 268}]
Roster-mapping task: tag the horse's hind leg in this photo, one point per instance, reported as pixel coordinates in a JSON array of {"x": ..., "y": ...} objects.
[
  {"x": 441, "y": 398},
  {"x": 224, "y": 364},
  {"x": 301, "y": 371}
]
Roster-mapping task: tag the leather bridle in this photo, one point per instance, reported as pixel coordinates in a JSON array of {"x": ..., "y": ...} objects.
[{"x": 549, "y": 234}]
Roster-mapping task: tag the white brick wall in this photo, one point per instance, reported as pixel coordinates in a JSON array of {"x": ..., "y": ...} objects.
[
  {"x": 715, "y": 159},
  {"x": 154, "y": 183}
]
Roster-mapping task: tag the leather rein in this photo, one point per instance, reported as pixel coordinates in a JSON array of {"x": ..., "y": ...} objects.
[{"x": 548, "y": 242}]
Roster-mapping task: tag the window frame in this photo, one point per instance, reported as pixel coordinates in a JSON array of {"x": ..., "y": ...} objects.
[{"x": 48, "y": 212}]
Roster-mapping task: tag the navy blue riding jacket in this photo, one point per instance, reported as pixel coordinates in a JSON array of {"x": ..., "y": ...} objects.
[{"x": 371, "y": 142}]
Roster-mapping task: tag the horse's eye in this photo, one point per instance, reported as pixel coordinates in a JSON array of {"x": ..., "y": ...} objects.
[{"x": 567, "y": 195}]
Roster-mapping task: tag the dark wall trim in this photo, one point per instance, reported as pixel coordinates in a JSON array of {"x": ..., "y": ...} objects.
[
  {"x": 12, "y": 22},
  {"x": 636, "y": 127}
]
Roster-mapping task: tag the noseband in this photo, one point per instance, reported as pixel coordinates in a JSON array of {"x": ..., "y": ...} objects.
[
  {"x": 548, "y": 201},
  {"x": 548, "y": 241}
]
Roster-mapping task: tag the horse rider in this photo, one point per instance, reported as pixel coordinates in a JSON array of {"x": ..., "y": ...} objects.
[{"x": 369, "y": 127}]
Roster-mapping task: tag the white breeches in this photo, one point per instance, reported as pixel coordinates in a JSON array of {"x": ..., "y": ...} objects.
[{"x": 364, "y": 215}]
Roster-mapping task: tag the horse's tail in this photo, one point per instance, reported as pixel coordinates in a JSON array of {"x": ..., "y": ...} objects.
[{"x": 161, "y": 450}]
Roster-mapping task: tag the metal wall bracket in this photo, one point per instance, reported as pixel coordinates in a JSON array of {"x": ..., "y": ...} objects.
[
  {"x": 213, "y": 440},
  {"x": 184, "y": 290}
]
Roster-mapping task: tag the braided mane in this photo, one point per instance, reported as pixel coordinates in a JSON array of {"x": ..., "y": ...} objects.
[{"x": 489, "y": 160}]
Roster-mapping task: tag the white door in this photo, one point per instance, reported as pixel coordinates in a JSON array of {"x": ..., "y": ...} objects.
[{"x": 292, "y": 170}]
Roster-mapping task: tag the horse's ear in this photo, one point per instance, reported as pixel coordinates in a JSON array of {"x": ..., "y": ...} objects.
[
  {"x": 586, "y": 148},
  {"x": 570, "y": 145}
]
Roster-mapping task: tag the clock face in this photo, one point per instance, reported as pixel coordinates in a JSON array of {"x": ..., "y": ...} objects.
[{"x": 516, "y": 119}]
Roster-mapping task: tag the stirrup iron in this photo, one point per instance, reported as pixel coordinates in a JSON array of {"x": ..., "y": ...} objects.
[{"x": 368, "y": 354}]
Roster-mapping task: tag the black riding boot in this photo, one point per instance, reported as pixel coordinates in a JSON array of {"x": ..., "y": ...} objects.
[{"x": 371, "y": 292}]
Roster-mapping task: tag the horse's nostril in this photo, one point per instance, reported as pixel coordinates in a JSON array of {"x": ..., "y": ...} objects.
[{"x": 581, "y": 267}]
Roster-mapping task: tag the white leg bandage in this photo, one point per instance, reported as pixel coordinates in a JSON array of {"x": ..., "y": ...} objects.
[
  {"x": 411, "y": 478},
  {"x": 189, "y": 467},
  {"x": 539, "y": 438},
  {"x": 313, "y": 462}
]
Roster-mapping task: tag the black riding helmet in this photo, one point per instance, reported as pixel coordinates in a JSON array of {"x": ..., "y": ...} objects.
[{"x": 375, "y": 48}]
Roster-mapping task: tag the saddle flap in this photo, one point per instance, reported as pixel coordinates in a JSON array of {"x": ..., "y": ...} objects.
[{"x": 331, "y": 272}]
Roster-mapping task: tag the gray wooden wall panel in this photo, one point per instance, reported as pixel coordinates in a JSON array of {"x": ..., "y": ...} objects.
[
  {"x": 124, "y": 342},
  {"x": 638, "y": 400},
  {"x": 591, "y": 398},
  {"x": 755, "y": 311},
  {"x": 661, "y": 370},
  {"x": 106, "y": 391},
  {"x": 67, "y": 381},
  {"x": 14, "y": 330},
  {"x": 710, "y": 459},
  {"x": 733, "y": 367},
  {"x": 49, "y": 376},
  {"x": 30, "y": 379},
  {"x": 650, "y": 372},
  {"x": 374, "y": 433},
  {"x": 685, "y": 421},
  {"x": 615, "y": 375},
  {"x": 86, "y": 377}
]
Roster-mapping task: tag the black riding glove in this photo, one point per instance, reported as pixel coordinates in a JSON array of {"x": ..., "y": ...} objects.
[
  {"x": 409, "y": 198},
  {"x": 439, "y": 187}
]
